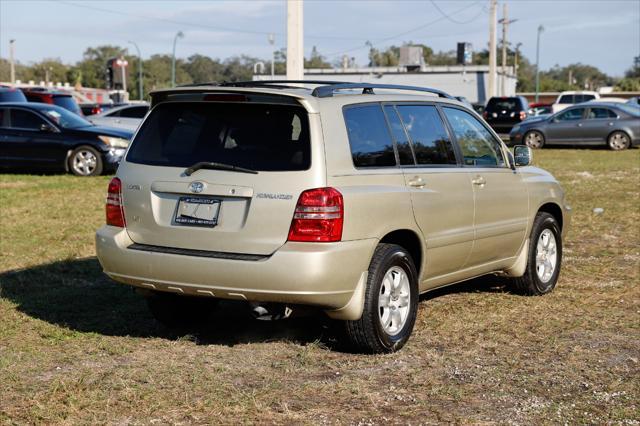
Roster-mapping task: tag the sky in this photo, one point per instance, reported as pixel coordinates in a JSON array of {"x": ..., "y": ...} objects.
[{"x": 603, "y": 33}]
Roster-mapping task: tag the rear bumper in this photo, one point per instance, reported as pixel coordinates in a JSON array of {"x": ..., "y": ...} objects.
[{"x": 319, "y": 274}]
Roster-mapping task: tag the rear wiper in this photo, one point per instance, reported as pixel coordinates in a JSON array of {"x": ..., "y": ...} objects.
[{"x": 216, "y": 166}]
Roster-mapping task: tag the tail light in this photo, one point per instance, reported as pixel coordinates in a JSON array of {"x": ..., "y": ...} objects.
[
  {"x": 96, "y": 110},
  {"x": 114, "y": 207},
  {"x": 485, "y": 114},
  {"x": 318, "y": 217},
  {"x": 523, "y": 115}
]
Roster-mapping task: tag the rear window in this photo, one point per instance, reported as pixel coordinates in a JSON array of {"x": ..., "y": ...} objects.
[
  {"x": 67, "y": 102},
  {"x": 566, "y": 99},
  {"x": 504, "y": 104},
  {"x": 255, "y": 136},
  {"x": 12, "y": 95}
]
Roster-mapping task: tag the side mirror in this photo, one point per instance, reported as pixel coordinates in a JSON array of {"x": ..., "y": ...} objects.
[
  {"x": 523, "y": 155},
  {"x": 45, "y": 127}
]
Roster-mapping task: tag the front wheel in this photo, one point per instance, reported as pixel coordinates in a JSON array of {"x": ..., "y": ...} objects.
[
  {"x": 85, "y": 161},
  {"x": 544, "y": 259},
  {"x": 391, "y": 303},
  {"x": 618, "y": 141}
]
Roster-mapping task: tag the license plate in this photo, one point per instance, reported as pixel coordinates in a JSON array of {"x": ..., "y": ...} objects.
[{"x": 195, "y": 211}]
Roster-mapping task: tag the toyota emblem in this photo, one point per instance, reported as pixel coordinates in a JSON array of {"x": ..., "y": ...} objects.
[{"x": 196, "y": 187}]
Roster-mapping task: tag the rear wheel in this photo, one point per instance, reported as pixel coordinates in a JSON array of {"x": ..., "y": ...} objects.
[
  {"x": 618, "y": 141},
  {"x": 534, "y": 139},
  {"x": 85, "y": 161},
  {"x": 544, "y": 260},
  {"x": 176, "y": 311},
  {"x": 391, "y": 303}
]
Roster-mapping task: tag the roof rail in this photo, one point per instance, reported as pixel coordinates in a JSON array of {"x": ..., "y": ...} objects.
[
  {"x": 254, "y": 83},
  {"x": 367, "y": 88}
]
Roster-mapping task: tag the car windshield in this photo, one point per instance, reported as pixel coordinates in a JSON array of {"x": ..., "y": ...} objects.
[
  {"x": 65, "y": 118},
  {"x": 630, "y": 109}
]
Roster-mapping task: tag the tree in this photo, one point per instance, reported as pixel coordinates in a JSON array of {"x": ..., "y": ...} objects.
[
  {"x": 203, "y": 69},
  {"x": 634, "y": 71},
  {"x": 93, "y": 65},
  {"x": 316, "y": 60}
]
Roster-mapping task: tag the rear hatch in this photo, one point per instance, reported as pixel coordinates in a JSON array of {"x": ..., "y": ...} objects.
[{"x": 246, "y": 210}]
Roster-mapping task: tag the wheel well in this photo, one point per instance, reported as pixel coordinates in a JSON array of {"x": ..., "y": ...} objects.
[
  {"x": 410, "y": 241},
  {"x": 617, "y": 130},
  {"x": 554, "y": 210}
]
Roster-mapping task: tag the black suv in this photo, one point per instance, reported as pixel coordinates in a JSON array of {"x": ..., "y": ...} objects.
[{"x": 502, "y": 113}]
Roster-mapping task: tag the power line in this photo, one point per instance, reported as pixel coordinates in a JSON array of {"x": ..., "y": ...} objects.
[
  {"x": 448, "y": 17},
  {"x": 428, "y": 24}
]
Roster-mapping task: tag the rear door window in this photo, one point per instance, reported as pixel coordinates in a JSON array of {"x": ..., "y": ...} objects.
[
  {"x": 429, "y": 138},
  {"x": 478, "y": 146},
  {"x": 601, "y": 113},
  {"x": 369, "y": 138},
  {"x": 405, "y": 154},
  {"x": 260, "y": 137}
]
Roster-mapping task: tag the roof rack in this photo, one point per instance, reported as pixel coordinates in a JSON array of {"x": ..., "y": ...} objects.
[{"x": 367, "y": 88}]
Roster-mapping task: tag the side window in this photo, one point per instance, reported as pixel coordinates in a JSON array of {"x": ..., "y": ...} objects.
[
  {"x": 478, "y": 145},
  {"x": 571, "y": 114},
  {"x": 566, "y": 99},
  {"x": 4, "y": 117},
  {"x": 369, "y": 138},
  {"x": 601, "y": 113},
  {"x": 429, "y": 137},
  {"x": 134, "y": 112},
  {"x": 400, "y": 136},
  {"x": 21, "y": 119}
]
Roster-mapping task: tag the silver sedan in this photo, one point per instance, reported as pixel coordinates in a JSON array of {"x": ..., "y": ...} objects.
[{"x": 593, "y": 123}]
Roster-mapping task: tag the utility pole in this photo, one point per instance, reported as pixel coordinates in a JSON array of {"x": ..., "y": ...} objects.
[
  {"x": 492, "y": 48},
  {"x": 295, "y": 48},
  {"x": 515, "y": 59},
  {"x": 272, "y": 40},
  {"x": 505, "y": 25},
  {"x": 179, "y": 34},
  {"x": 540, "y": 30},
  {"x": 139, "y": 69},
  {"x": 11, "y": 60}
]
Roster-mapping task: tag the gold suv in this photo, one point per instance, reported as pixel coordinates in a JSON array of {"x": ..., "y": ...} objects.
[{"x": 351, "y": 197}]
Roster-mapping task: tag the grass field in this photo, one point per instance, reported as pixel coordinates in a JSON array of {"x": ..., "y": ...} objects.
[{"x": 76, "y": 347}]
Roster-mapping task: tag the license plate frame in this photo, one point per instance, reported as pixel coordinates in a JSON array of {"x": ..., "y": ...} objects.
[{"x": 188, "y": 214}]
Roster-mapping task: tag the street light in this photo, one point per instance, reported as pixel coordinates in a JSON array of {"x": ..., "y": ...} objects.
[
  {"x": 272, "y": 40},
  {"x": 540, "y": 30},
  {"x": 179, "y": 34},
  {"x": 12, "y": 61},
  {"x": 139, "y": 68}
]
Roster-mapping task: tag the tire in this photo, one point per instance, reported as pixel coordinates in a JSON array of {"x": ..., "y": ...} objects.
[
  {"x": 534, "y": 139},
  {"x": 175, "y": 311},
  {"x": 544, "y": 252},
  {"x": 85, "y": 161},
  {"x": 386, "y": 329},
  {"x": 618, "y": 141}
]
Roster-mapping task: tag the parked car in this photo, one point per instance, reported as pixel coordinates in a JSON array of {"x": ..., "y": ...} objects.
[
  {"x": 94, "y": 108},
  {"x": 592, "y": 123},
  {"x": 465, "y": 101},
  {"x": 634, "y": 101},
  {"x": 37, "y": 136},
  {"x": 61, "y": 99},
  {"x": 611, "y": 99},
  {"x": 356, "y": 204},
  {"x": 124, "y": 117},
  {"x": 568, "y": 98},
  {"x": 537, "y": 109},
  {"x": 502, "y": 113},
  {"x": 11, "y": 94}
]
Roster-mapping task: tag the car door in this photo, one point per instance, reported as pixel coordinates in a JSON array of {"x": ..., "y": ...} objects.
[
  {"x": 501, "y": 197},
  {"x": 441, "y": 192},
  {"x": 566, "y": 127},
  {"x": 599, "y": 123},
  {"x": 34, "y": 141}
]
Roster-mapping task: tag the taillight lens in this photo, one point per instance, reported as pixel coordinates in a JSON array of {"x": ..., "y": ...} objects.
[
  {"x": 318, "y": 217},
  {"x": 114, "y": 207},
  {"x": 523, "y": 115},
  {"x": 485, "y": 114}
]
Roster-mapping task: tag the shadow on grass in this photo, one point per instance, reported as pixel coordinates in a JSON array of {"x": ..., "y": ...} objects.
[{"x": 77, "y": 295}]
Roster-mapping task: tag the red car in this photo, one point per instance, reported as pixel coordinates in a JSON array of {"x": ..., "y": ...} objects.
[{"x": 62, "y": 99}]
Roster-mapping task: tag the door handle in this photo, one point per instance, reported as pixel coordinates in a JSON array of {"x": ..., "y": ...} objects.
[
  {"x": 610, "y": 124},
  {"x": 417, "y": 182},
  {"x": 479, "y": 180},
  {"x": 579, "y": 124}
]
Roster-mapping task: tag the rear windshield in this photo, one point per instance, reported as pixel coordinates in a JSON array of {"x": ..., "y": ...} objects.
[
  {"x": 502, "y": 104},
  {"x": 12, "y": 95},
  {"x": 260, "y": 137},
  {"x": 67, "y": 102}
]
